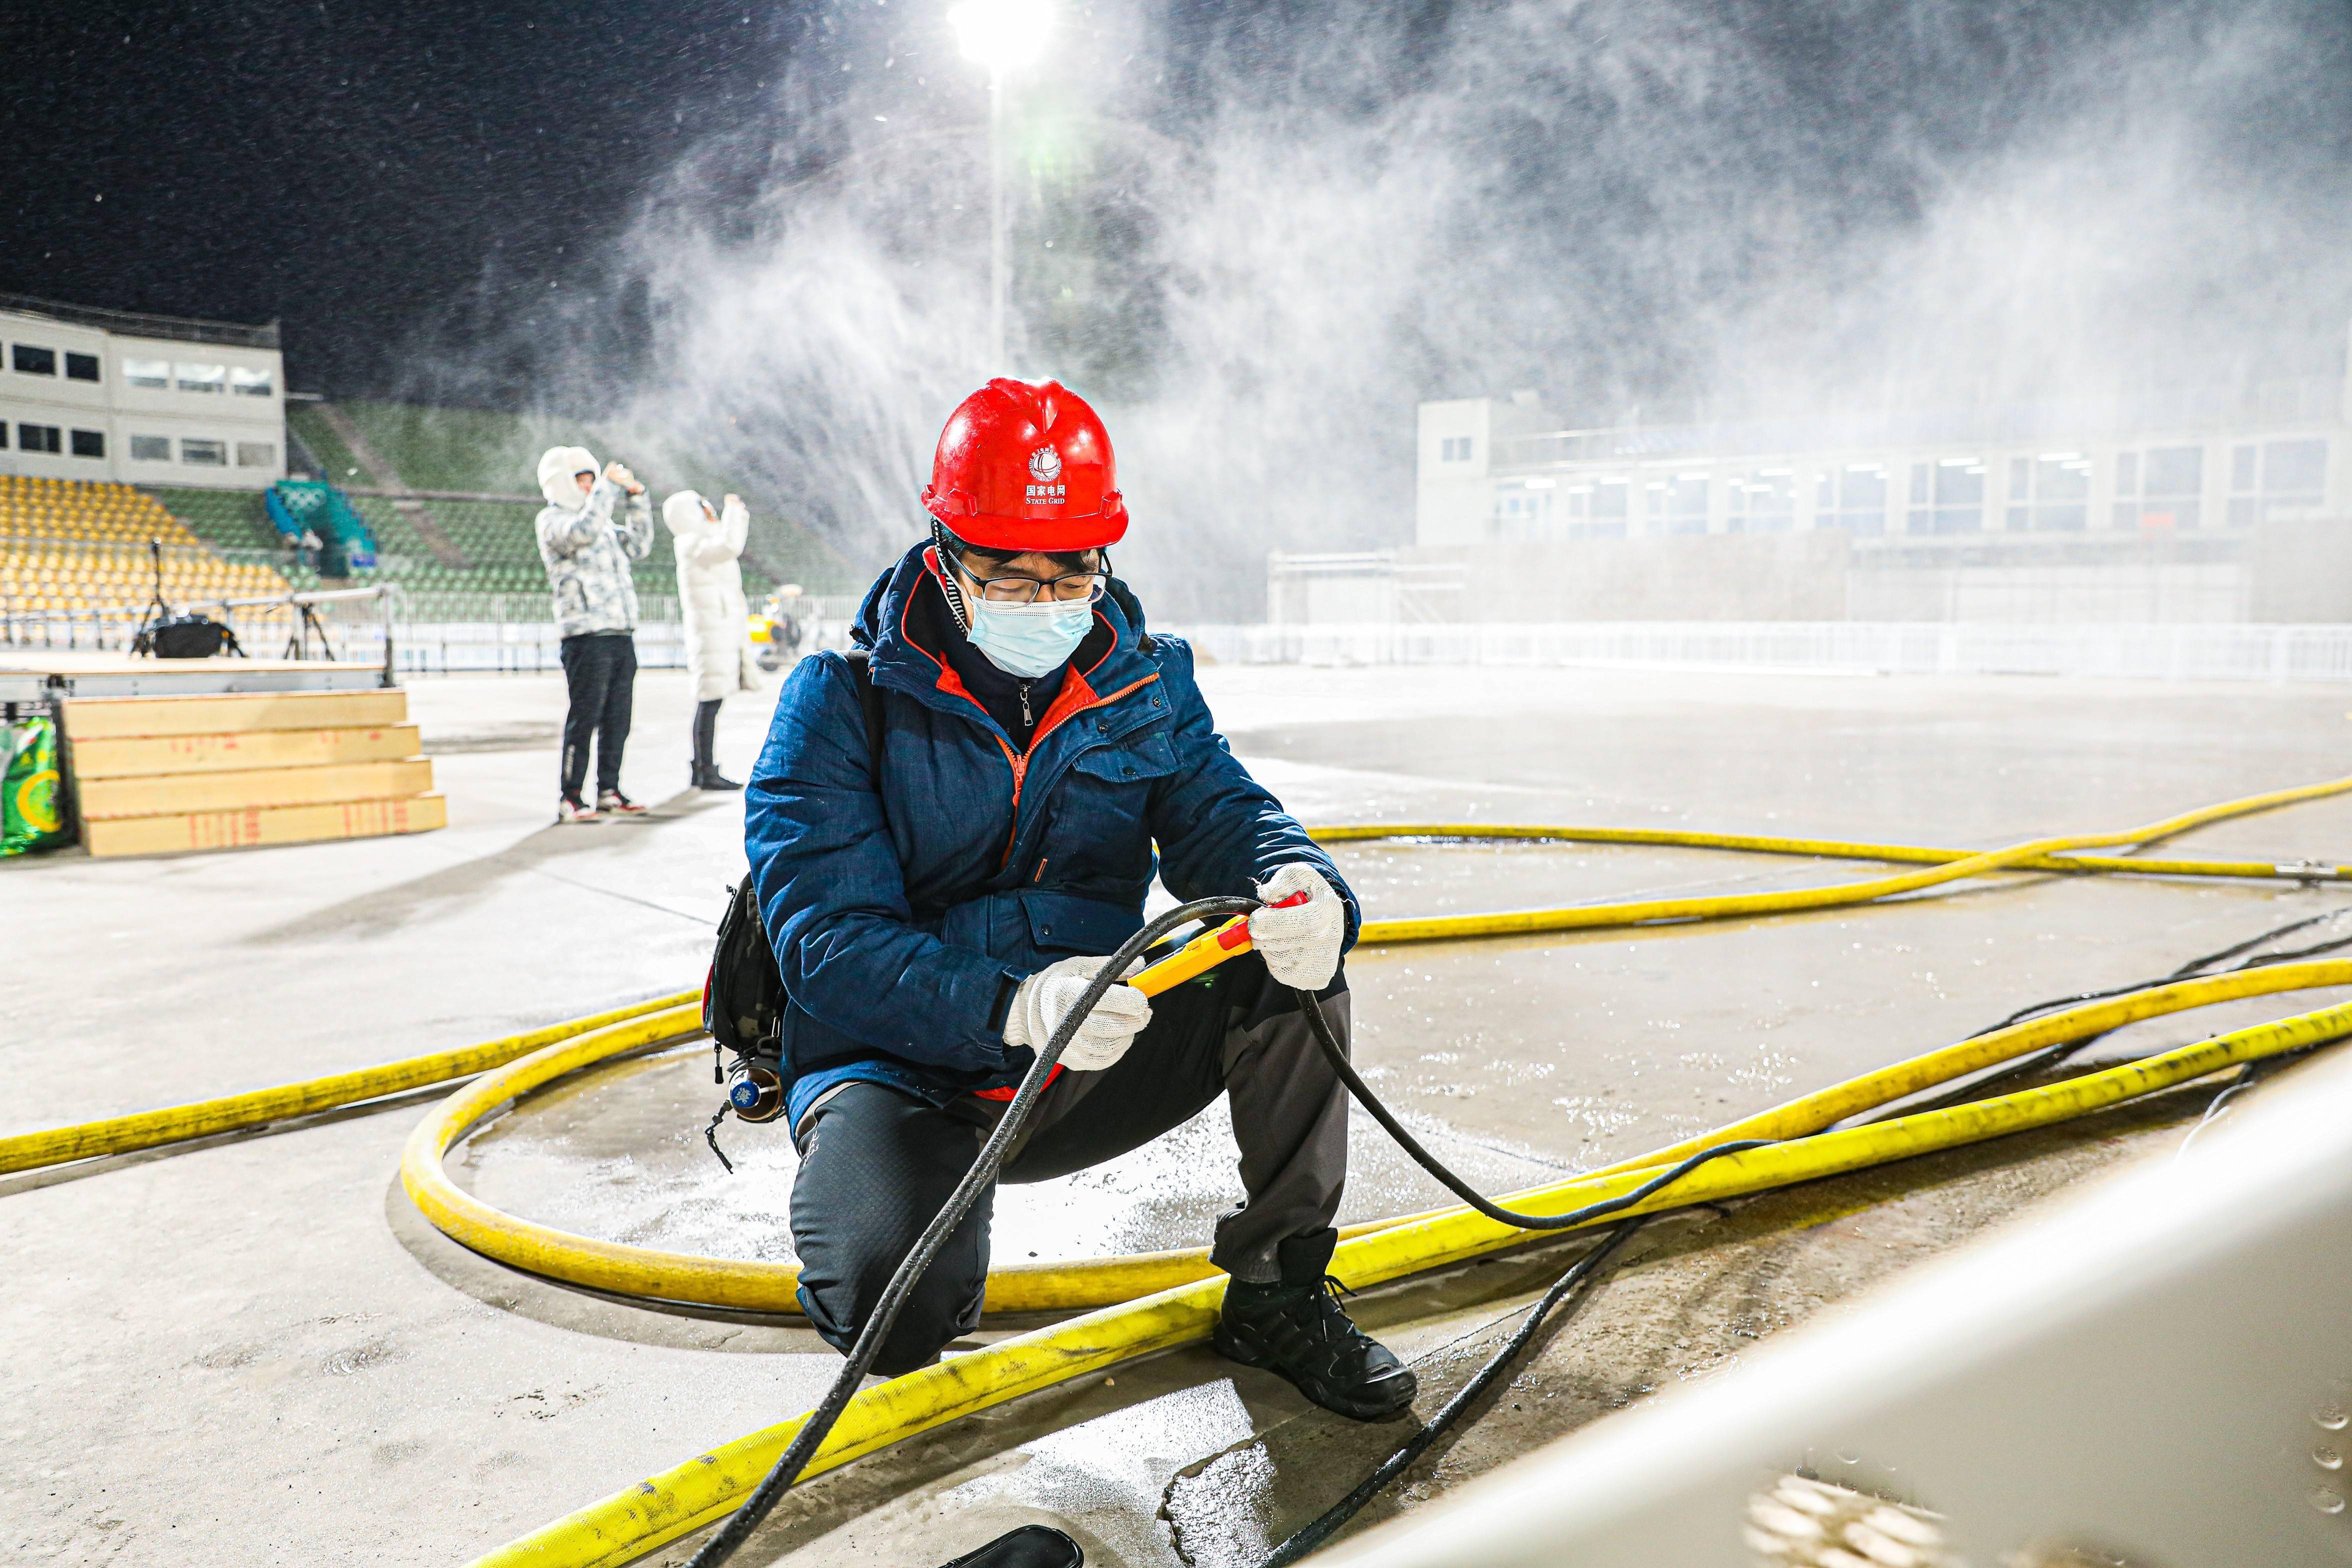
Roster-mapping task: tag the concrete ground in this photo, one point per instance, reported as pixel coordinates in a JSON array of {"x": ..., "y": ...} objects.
[{"x": 254, "y": 1351}]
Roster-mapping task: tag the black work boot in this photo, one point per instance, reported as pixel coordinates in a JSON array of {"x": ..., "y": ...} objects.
[{"x": 1298, "y": 1330}]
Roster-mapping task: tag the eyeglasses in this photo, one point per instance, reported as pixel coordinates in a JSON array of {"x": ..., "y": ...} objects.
[{"x": 1074, "y": 588}]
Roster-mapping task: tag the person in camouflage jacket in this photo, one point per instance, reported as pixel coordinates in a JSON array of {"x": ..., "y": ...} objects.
[{"x": 587, "y": 554}]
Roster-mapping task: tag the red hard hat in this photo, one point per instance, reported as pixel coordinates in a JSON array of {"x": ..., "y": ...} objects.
[{"x": 1026, "y": 466}]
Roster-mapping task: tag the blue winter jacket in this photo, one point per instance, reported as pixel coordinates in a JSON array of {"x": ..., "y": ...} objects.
[{"x": 903, "y": 918}]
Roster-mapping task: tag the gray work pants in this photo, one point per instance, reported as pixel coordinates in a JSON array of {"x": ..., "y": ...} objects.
[{"x": 877, "y": 1164}]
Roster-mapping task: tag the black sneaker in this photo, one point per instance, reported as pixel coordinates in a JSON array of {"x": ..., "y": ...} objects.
[
  {"x": 1298, "y": 1330},
  {"x": 711, "y": 778}
]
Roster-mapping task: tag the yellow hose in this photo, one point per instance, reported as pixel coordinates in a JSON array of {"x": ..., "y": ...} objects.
[
  {"x": 752, "y": 1286},
  {"x": 628, "y": 1524},
  {"x": 1729, "y": 905},
  {"x": 202, "y": 1119},
  {"x": 1822, "y": 849}
]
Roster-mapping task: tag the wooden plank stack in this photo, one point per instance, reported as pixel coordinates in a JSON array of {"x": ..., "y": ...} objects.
[{"x": 162, "y": 774}]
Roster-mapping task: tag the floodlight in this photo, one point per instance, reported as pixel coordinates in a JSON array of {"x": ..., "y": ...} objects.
[{"x": 1003, "y": 35}]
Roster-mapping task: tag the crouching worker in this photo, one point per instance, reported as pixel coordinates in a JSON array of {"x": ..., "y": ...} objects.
[{"x": 941, "y": 888}]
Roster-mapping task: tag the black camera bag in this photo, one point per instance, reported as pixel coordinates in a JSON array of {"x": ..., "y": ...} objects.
[{"x": 186, "y": 636}]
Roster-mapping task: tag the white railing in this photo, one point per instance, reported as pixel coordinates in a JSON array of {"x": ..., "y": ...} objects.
[
  {"x": 2230, "y": 651},
  {"x": 389, "y": 632},
  {"x": 514, "y": 648}
]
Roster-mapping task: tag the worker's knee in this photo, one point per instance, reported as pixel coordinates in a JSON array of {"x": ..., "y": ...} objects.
[
  {"x": 875, "y": 1168},
  {"x": 843, "y": 1287}
]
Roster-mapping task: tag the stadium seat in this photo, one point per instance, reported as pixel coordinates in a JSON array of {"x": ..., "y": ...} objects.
[{"x": 79, "y": 545}]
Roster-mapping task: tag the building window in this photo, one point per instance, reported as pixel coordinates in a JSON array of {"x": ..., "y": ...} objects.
[
  {"x": 39, "y": 439},
  {"x": 1677, "y": 503},
  {"x": 1948, "y": 495},
  {"x": 2051, "y": 493},
  {"x": 4, "y": 434},
  {"x": 2242, "y": 460},
  {"x": 2172, "y": 481},
  {"x": 1854, "y": 498},
  {"x": 1764, "y": 501},
  {"x": 26, "y": 360},
  {"x": 1599, "y": 511},
  {"x": 149, "y": 373},
  {"x": 1453, "y": 450},
  {"x": 250, "y": 383},
  {"x": 89, "y": 443},
  {"x": 2277, "y": 479},
  {"x": 257, "y": 454},
  {"x": 81, "y": 367},
  {"x": 2295, "y": 477},
  {"x": 150, "y": 448},
  {"x": 204, "y": 454},
  {"x": 1525, "y": 513},
  {"x": 200, "y": 377}
]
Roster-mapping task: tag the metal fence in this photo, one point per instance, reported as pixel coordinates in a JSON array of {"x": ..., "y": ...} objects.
[{"x": 2235, "y": 651}]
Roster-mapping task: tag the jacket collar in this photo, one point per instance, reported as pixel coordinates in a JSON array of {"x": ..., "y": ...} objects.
[{"x": 904, "y": 615}]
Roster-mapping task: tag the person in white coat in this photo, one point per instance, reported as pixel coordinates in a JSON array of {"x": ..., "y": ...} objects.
[{"x": 718, "y": 623}]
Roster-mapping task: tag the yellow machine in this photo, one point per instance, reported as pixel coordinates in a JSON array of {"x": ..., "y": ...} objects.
[{"x": 780, "y": 627}]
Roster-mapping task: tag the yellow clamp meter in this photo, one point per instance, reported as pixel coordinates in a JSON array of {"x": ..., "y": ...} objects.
[{"x": 1203, "y": 954}]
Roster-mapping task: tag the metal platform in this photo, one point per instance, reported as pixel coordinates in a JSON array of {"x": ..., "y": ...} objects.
[{"x": 44, "y": 674}]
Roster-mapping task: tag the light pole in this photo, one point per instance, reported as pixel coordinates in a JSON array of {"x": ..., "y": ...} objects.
[{"x": 1002, "y": 35}]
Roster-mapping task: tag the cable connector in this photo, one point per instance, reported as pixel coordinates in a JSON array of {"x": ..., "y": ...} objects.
[{"x": 2308, "y": 870}]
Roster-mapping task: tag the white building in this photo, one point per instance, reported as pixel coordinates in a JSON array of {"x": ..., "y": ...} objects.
[
  {"x": 2188, "y": 466},
  {"x": 110, "y": 394},
  {"x": 2209, "y": 504}
]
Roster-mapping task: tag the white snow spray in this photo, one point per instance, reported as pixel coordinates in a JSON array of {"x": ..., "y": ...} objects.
[{"x": 1257, "y": 238}]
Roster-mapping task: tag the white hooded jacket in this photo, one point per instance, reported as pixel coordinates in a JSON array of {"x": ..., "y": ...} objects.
[
  {"x": 711, "y": 594},
  {"x": 586, "y": 553}
]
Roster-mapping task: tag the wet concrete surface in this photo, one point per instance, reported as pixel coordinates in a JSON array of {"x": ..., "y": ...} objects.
[{"x": 255, "y": 1350}]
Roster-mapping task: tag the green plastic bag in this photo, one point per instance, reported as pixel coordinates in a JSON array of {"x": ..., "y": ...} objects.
[{"x": 31, "y": 814}]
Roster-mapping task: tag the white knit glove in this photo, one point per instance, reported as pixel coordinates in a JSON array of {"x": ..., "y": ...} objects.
[
  {"x": 1301, "y": 944},
  {"x": 1046, "y": 998}
]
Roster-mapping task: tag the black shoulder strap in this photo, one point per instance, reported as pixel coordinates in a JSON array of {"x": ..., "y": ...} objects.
[{"x": 869, "y": 703}]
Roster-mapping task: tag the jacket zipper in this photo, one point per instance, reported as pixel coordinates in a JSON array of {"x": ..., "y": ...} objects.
[{"x": 1020, "y": 760}]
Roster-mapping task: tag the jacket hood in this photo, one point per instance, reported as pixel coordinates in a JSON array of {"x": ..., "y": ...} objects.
[
  {"x": 684, "y": 513},
  {"x": 558, "y": 466}
]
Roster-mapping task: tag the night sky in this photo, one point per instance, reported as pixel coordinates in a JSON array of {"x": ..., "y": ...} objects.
[
  {"x": 400, "y": 185},
  {"x": 359, "y": 171}
]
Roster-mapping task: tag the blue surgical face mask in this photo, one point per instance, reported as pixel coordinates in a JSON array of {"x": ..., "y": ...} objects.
[{"x": 1030, "y": 640}]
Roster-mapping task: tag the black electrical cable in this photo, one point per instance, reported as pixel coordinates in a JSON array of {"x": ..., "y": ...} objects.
[
  {"x": 1314, "y": 1534},
  {"x": 1337, "y": 1055},
  {"x": 1309, "y": 1536},
  {"x": 1587, "y": 1268},
  {"x": 2050, "y": 1056},
  {"x": 738, "y": 1525}
]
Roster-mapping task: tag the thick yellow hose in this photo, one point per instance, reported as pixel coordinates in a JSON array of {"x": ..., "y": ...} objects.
[
  {"x": 202, "y": 1119},
  {"x": 1822, "y": 849},
  {"x": 625, "y": 1526},
  {"x": 148, "y": 1129},
  {"x": 1723, "y": 906},
  {"x": 1061, "y": 1287}
]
